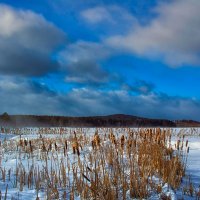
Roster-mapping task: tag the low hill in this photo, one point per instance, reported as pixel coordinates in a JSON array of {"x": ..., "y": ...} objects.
[
  {"x": 187, "y": 123},
  {"x": 117, "y": 120}
]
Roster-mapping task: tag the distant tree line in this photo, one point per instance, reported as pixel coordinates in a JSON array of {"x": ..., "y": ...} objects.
[{"x": 95, "y": 121}]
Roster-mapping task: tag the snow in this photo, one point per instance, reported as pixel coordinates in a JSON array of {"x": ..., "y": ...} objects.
[
  {"x": 9, "y": 161},
  {"x": 193, "y": 164}
]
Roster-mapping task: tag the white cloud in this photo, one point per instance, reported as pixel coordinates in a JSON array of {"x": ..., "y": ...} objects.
[
  {"x": 173, "y": 35},
  {"x": 79, "y": 61},
  {"x": 82, "y": 50},
  {"x": 96, "y": 15},
  {"x": 21, "y": 97},
  {"x": 27, "y": 41},
  {"x": 113, "y": 15}
]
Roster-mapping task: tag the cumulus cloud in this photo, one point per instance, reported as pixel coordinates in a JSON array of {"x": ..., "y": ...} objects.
[
  {"x": 112, "y": 17},
  {"x": 173, "y": 35},
  {"x": 139, "y": 86},
  {"x": 154, "y": 105},
  {"x": 96, "y": 15},
  {"x": 86, "y": 71},
  {"x": 83, "y": 50},
  {"x": 80, "y": 62},
  {"x": 27, "y": 42},
  {"x": 19, "y": 96},
  {"x": 108, "y": 14}
]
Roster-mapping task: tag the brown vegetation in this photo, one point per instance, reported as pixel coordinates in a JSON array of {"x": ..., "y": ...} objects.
[{"x": 117, "y": 165}]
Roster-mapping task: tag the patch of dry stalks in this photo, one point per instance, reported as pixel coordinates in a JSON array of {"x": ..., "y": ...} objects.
[{"x": 103, "y": 166}]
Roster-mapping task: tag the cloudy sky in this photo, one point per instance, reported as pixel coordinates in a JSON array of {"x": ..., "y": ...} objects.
[{"x": 99, "y": 57}]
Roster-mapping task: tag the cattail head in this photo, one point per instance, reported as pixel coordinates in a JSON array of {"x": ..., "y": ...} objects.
[{"x": 186, "y": 144}]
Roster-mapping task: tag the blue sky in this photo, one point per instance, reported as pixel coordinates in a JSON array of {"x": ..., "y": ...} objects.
[{"x": 81, "y": 58}]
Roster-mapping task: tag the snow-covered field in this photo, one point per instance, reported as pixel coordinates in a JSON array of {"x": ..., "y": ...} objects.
[
  {"x": 193, "y": 164},
  {"x": 193, "y": 161},
  {"x": 19, "y": 161}
]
